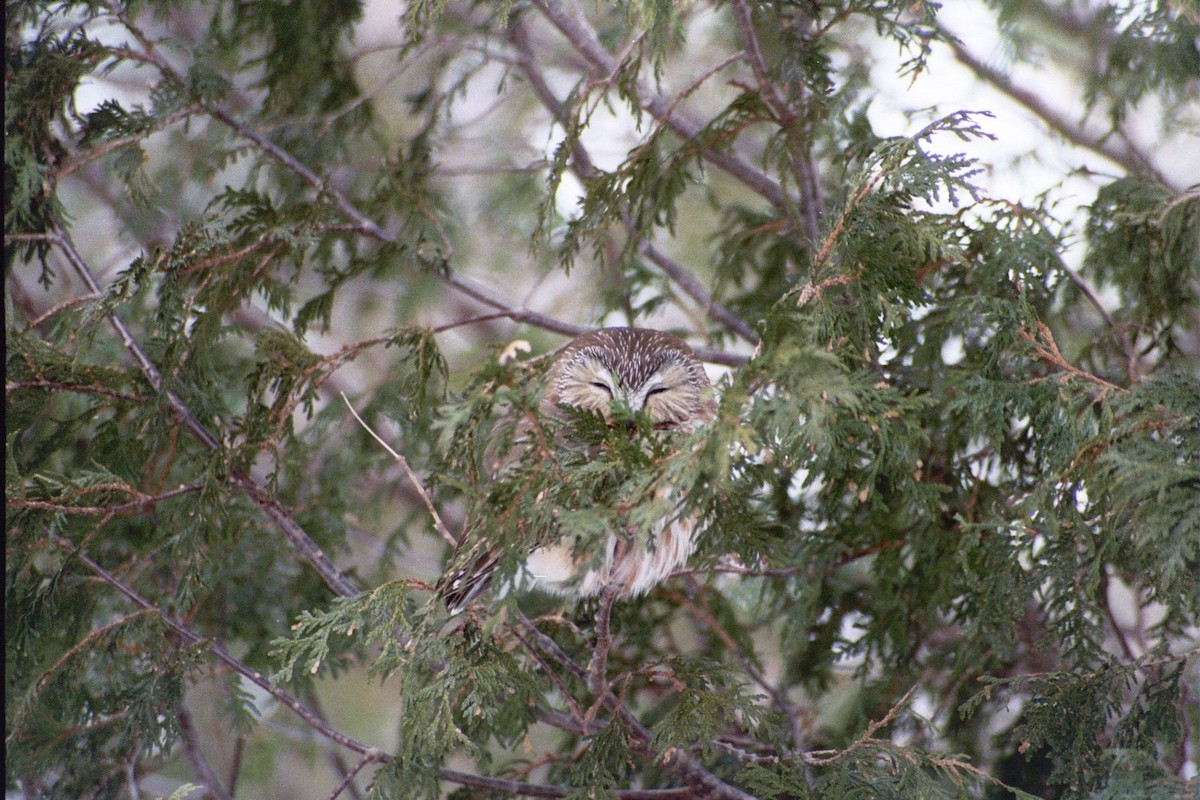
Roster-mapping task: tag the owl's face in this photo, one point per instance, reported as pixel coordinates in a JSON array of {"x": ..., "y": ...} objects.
[{"x": 645, "y": 370}]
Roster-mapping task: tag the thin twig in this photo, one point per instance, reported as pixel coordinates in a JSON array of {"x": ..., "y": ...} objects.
[
  {"x": 1045, "y": 349},
  {"x": 140, "y": 502},
  {"x": 59, "y": 386},
  {"x": 64, "y": 305},
  {"x": 1131, "y": 357},
  {"x": 349, "y": 777},
  {"x": 102, "y": 149},
  {"x": 83, "y": 643},
  {"x": 412, "y": 476},
  {"x": 819, "y": 758}
]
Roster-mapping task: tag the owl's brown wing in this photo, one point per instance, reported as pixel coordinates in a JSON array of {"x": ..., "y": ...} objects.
[{"x": 475, "y": 557}]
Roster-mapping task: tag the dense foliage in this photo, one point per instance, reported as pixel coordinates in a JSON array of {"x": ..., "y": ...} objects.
[{"x": 952, "y": 532}]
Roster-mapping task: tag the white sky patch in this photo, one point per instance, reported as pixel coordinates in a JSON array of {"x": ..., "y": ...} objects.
[{"x": 953, "y": 350}]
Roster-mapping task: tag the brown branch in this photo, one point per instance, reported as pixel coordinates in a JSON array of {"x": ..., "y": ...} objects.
[
  {"x": 320, "y": 726},
  {"x": 692, "y": 287},
  {"x": 93, "y": 388},
  {"x": 348, "y": 778},
  {"x": 674, "y": 760},
  {"x": 1123, "y": 341},
  {"x": 346, "y": 774},
  {"x": 412, "y": 478},
  {"x": 597, "y": 681},
  {"x": 82, "y": 643},
  {"x": 489, "y": 298},
  {"x": 1045, "y": 349},
  {"x": 475, "y": 320},
  {"x": 140, "y": 502},
  {"x": 1127, "y": 156},
  {"x": 585, "y": 41},
  {"x": 85, "y": 157},
  {"x": 812, "y": 205},
  {"x": 64, "y": 305},
  {"x": 577, "y": 715},
  {"x": 1111, "y": 617},
  {"x": 813, "y": 291},
  {"x": 820, "y": 758},
  {"x": 201, "y": 768},
  {"x": 235, "y": 763},
  {"x": 582, "y": 166},
  {"x": 702, "y": 611},
  {"x": 279, "y": 514},
  {"x": 361, "y": 223},
  {"x": 191, "y": 637}
]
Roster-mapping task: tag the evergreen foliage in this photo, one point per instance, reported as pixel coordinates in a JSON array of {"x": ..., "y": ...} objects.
[{"x": 951, "y": 500}]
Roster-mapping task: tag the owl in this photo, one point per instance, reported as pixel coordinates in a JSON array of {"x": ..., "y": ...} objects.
[{"x": 638, "y": 369}]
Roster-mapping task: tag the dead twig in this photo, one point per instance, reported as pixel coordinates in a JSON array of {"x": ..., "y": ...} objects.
[{"x": 412, "y": 477}]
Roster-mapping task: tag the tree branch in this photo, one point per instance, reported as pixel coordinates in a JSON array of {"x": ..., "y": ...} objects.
[
  {"x": 363, "y": 224},
  {"x": 826, "y": 757},
  {"x": 412, "y": 478},
  {"x": 309, "y": 550},
  {"x": 191, "y": 637},
  {"x": 583, "y": 167},
  {"x": 141, "y": 502},
  {"x": 314, "y": 720},
  {"x": 1127, "y": 156},
  {"x": 812, "y": 206},
  {"x": 196, "y": 759},
  {"x": 674, "y": 760},
  {"x": 587, "y": 44}
]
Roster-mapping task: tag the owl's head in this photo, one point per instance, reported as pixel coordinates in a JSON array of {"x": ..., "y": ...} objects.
[{"x": 644, "y": 369}]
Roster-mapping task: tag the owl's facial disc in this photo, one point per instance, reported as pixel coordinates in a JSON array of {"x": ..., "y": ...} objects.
[
  {"x": 589, "y": 385},
  {"x": 669, "y": 395},
  {"x": 665, "y": 391}
]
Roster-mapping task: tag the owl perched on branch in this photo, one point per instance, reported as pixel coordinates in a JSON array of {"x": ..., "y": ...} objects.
[{"x": 616, "y": 373}]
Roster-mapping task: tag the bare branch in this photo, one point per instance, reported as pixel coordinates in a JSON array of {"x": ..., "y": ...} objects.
[
  {"x": 348, "y": 778},
  {"x": 582, "y": 166},
  {"x": 412, "y": 477},
  {"x": 674, "y": 760},
  {"x": 304, "y": 545},
  {"x": 826, "y": 757},
  {"x": 196, "y": 759},
  {"x": 1127, "y": 156},
  {"x": 584, "y": 40}
]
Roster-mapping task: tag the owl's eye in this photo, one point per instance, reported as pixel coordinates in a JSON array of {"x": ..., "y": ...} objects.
[
  {"x": 604, "y": 386},
  {"x": 657, "y": 390}
]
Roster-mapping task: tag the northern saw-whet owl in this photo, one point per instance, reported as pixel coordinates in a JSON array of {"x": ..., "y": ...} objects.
[{"x": 637, "y": 369}]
